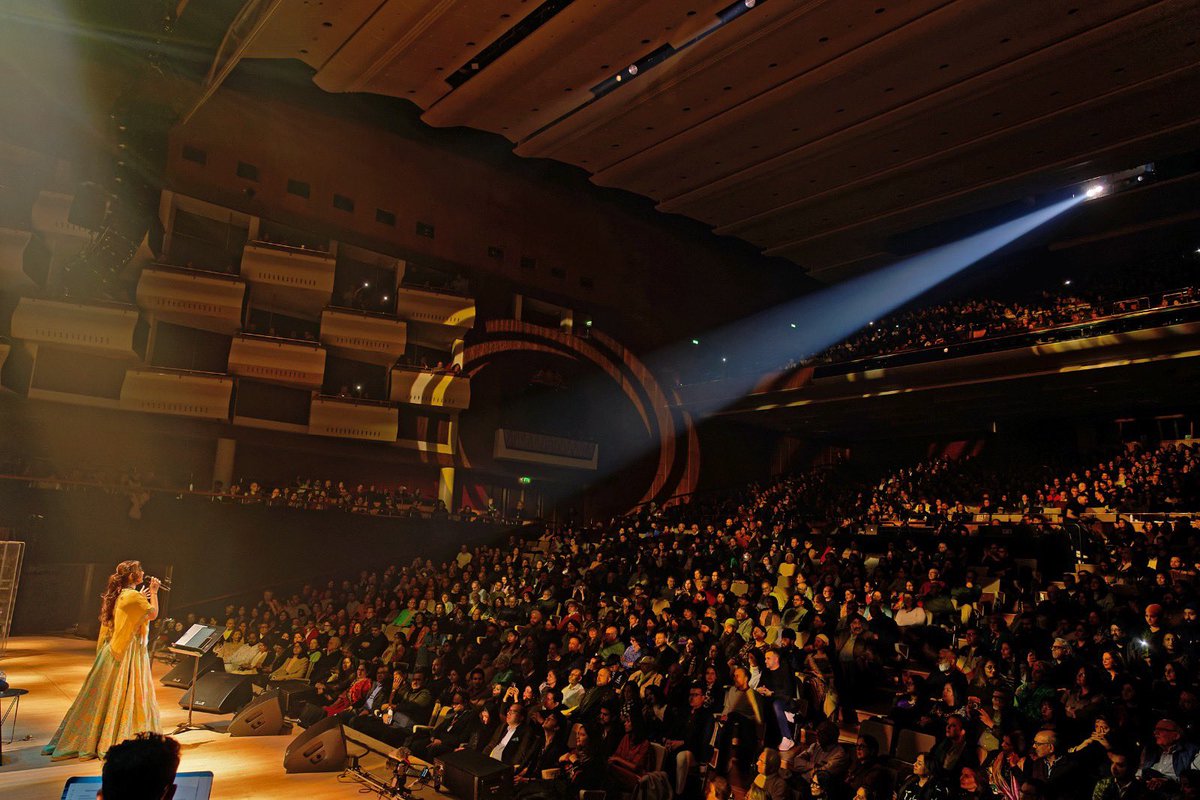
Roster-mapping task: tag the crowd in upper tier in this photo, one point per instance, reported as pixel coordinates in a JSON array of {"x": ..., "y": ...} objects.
[
  {"x": 795, "y": 658},
  {"x": 964, "y": 320}
]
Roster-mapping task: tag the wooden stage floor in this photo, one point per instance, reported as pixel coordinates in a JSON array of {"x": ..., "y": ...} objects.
[{"x": 52, "y": 668}]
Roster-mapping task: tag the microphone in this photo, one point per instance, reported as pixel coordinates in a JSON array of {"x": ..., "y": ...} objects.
[{"x": 164, "y": 584}]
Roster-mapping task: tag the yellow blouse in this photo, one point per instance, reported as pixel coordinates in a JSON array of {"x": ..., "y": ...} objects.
[{"x": 131, "y": 615}]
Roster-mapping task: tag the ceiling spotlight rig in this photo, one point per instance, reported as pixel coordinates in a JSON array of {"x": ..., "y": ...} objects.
[{"x": 1117, "y": 181}]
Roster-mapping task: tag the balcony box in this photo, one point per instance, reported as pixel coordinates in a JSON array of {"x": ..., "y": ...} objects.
[
  {"x": 540, "y": 448},
  {"x": 156, "y": 390},
  {"x": 428, "y": 388},
  {"x": 288, "y": 362},
  {"x": 13, "y": 241},
  {"x": 103, "y": 328},
  {"x": 50, "y": 218},
  {"x": 353, "y": 419},
  {"x": 363, "y": 336},
  {"x": 288, "y": 280},
  {"x": 209, "y": 301},
  {"x": 435, "y": 319}
]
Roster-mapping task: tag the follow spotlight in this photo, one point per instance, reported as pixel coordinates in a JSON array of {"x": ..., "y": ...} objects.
[{"x": 1095, "y": 190}]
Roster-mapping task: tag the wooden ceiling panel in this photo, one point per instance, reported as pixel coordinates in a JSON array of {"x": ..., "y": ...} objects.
[
  {"x": 549, "y": 74},
  {"x": 309, "y": 31},
  {"x": 869, "y": 218},
  {"x": 928, "y": 56},
  {"x": 1037, "y": 91},
  {"x": 417, "y": 65},
  {"x": 690, "y": 88},
  {"x": 817, "y": 129}
]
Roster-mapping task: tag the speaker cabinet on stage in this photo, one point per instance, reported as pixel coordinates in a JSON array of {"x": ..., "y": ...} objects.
[
  {"x": 219, "y": 692},
  {"x": 262, "y": 717},
  {"x": 180, "y": 675},
  {"x": 469, "y": 775},
  {"x": 321, "y": 748}
]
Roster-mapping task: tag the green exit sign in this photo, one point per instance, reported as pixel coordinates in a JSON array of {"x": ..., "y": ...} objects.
[{"x": 525, "y": 480}]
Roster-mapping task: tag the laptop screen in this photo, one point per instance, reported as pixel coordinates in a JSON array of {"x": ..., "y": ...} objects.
[{"x": 188, "y": 786}]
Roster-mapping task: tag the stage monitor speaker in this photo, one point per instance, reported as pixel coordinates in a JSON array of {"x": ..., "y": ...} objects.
[
  {"x": 321, "y": 748},
  {"x": 469, "y": 775},
  {"x": 180, "y": 675},
  {"x": 262, "y": 717},
  {"x": 219, "y": 693}
]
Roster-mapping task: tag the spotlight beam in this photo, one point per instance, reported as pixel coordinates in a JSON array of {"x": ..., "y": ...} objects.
[{"x": 827, "y": 317}]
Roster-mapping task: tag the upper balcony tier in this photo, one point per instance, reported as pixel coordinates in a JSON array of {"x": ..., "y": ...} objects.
[
  {"x": 435, "y": 318},
  {"x": 348, "y": 418},
  {"x": 210, "y": 301},
  {"x": 423, "y": 387},
  {"x": 50, "y": 215},
  {"x": 109, "y": 329},
  {"x": 296, "y": 281},
  {"x": 157, "y": 390},
  {"x": 288, "y": 362},
  {"x": 363, "y": 335}
]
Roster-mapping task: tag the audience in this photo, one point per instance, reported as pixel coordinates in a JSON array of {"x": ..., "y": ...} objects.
[{"x": 753, "y": 629}]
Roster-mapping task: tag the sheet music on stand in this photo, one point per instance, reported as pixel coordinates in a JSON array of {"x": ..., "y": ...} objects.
[{"x": 196, "y": 640}]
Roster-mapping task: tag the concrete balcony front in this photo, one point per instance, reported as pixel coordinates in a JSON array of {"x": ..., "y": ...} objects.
[
  {"x": 422, "y": 387},
  {"x": 347, "y": 418},
  {"x": 50, "y": 215},
  {"x": 13, "y": 243},
  {"x": 435, "y": 319},
  {"x": 287, "y": 362},
  {"x": 210, "y": 301},
  {"x": 288, "y": 280},
  {"x": 108, "y": 329},
  {"x": 363, "y": 335},
  {"x": 183, "y": 393}
]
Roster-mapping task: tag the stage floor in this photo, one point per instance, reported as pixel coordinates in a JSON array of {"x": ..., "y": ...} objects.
[{"x": 52, "y": 668}]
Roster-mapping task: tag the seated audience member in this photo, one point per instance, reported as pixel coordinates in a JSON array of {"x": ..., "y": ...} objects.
[
  {"x": 141, "y": 768},
  {"x": 825, "y": 756},
  {"x": 631, "y": 760},
  {"x": 1166, "y": 758},
  {"x": 452, "y": 730},
  {"x": 768, "y": 784},
  {"x": 512, "y": 741}
]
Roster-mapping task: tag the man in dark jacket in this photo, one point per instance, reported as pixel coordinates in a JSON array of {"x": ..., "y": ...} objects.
[
  {"x": 454, "y": 729},
  {"x": 511, "y": 742}
]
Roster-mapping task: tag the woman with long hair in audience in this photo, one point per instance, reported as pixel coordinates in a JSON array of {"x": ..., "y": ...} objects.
[
  {"x": 117, "y": 697},
  {"x": 632, "y": 759}
]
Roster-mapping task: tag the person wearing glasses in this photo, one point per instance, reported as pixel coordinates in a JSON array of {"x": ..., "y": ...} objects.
[
  {"x": 1059, "y": 773},
  {"x": 1167, "y": 758}
]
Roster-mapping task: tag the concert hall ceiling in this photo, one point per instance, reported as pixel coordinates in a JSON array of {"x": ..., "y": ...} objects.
[{"x": 819, "y": 130}]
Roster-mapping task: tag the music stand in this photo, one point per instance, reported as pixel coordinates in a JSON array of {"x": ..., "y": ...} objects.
[{"x": 195, "y": 642}]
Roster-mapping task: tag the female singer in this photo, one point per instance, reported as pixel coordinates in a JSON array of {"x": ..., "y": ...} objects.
[{"x": 117, "y": 697}]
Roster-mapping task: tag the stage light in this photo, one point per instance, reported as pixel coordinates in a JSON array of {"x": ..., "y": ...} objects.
[
  {"x": 723, "y": 359},
  {"x": 697, "y": 341},
  {"x": 793, "y": 324},
  {"x": 1095, "y": 190},
  {"x": 588, "y": 324},
  {"x": 633, "y": 69},
  {"x": 358, "y": 387},
  {"x": 1067, "y": 282},
  {"x": 366, "y": 285},
  {"x": 386, "y": 298}
]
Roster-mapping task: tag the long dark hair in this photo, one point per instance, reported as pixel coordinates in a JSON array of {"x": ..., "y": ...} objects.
[{"x": 119, "y": 580}]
